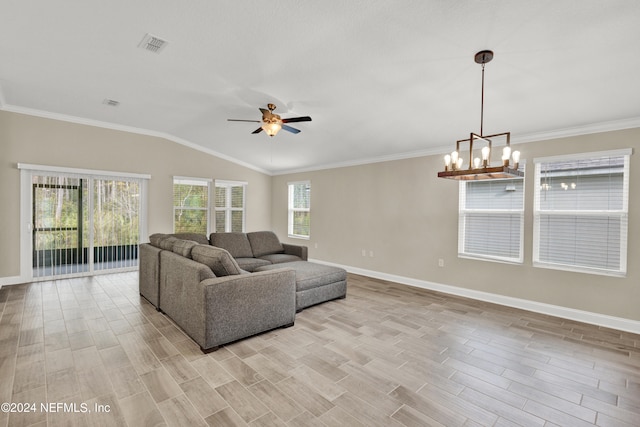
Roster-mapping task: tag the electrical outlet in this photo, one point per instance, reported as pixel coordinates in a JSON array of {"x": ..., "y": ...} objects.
[
  {"x": 440, "y": 262},
  {"x": 364, "y": 252},
  {"x": 315, "y": 246},
  {"x": 371, "y": 254}
]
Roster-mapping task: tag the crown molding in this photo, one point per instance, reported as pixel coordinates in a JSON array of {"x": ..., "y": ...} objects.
[
  {"x": 125, "y": 128},
  {"x": 609, "y": 126},
  {"x": 366, "y": 161},
  {"x": 613, "y": 125}
]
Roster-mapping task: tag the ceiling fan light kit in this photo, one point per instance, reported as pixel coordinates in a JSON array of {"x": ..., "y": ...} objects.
[
  {"x": 272, "y": 123},
  {"x": 272, "y": 129},
  {"x": 480, "y": 167}
]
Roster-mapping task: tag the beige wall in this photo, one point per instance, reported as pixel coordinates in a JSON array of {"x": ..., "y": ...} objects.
[
  {"x": 398, "y": 210},
  {"x": 29, "y": 139},
  {"x": 408, "y": 218}
]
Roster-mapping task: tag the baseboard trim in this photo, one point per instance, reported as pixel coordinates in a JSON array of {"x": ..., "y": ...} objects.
[
  {"x": 12, "y": 280},
  {"x": 618, "y": 323}
]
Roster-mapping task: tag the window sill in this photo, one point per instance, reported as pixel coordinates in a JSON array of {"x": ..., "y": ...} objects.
[
  {"x": 490, "y": 259},
  {"x": 574, "y": 269},
  {"x": 295, "y": 236}
]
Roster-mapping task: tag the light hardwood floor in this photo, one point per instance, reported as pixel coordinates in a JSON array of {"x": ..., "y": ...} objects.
[{"x": 387, "y": 355}]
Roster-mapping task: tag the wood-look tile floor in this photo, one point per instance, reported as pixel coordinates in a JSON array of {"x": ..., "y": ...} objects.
[{"x": 387, "y": 355}]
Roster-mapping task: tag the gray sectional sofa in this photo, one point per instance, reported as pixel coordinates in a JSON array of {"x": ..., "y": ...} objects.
[{"x": 232, "y": 285}]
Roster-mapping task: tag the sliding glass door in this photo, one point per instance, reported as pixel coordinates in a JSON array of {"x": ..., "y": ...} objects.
[
  {"x": 115, "y": 224},
  {"x": 82, "y": 224},
  {"x": 59, "y": 210}
]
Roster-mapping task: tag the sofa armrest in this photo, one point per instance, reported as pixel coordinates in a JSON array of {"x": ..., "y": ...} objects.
[
  {"x": 297, "y": 250},
  {"x": 182, "y": 300},
  {"x": 149, "y": 273}
]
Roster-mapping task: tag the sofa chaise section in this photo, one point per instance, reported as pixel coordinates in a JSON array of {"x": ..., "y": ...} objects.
[
  {"x": 215, "y": 311},
  {"x": 315, "y": 283}
]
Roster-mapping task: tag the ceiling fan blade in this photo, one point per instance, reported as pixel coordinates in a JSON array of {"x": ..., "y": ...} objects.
[
  {"x": 290, "y": 129},
  {"x": 297, "y": 119},
  {"x": 257, "y": 130},
  {"x": 242, "y": 120}
]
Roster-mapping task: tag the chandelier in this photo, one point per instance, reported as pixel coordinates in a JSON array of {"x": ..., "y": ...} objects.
[{"x": 480, "y": 167}]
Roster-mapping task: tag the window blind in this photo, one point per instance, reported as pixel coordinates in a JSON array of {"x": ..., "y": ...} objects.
[
  {"x": 581, "y": 213},
  {"x": 229, "y": 205},
  {"x": 491, "y": 216},
  {"x": 299, "y": 218}
]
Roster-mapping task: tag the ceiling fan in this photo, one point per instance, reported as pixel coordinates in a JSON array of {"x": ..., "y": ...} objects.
[{"x": 272, "y": 123}]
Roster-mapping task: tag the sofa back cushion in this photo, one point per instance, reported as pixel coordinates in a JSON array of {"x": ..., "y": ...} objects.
[
  {"x": 217, "y": 259},
  {"x": 183, "y": 247},
  {"x": 196, "y": 237},
  {"x": 167, "y": 243},
  {"x": 264, "y": 243},
  {"x": 236, "y": 244},
  {"x": 156, "y": 238}
]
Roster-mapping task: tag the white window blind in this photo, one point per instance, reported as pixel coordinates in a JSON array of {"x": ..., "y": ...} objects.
[
  {"x": 491, "y": 216},
  {"x": 299, "y": 218},
  {"x": 230, "y": 206},
  {"x": 581, "y": 213},
  {"x": 191, "y": 205}
]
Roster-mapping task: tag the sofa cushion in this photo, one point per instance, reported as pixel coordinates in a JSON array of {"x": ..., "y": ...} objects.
[
  {"x": 250, "y": 264},
  {"x": 217, "y": 259},
  {"x": 280, "y": 258},
  {"x": 310, "y": 275},
  {"x": 183, "y": 247},
  {"x": 155, "y": 239},
  {"x": 236, "y": 243},
  {"x": 264, "y": 243},
  {"x": 167, "y": 243},
  {"x": 196, "y": 237}
]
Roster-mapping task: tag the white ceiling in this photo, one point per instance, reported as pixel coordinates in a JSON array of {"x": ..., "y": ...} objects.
[{"x": 381, "y": 79}]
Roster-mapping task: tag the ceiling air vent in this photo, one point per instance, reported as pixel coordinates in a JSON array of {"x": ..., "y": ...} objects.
[
  {"x": 110, "y": 102},
  {"x": 152, "y": 43}
]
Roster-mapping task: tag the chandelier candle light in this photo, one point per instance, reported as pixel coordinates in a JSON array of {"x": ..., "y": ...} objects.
[{"x": 480, "y": 168}]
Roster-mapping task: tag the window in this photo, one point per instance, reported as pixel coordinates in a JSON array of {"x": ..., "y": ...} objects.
[
  {"x": 230, "y": 202},
  {"x": 581, "y": 212},
  {"x": 191, "y": 205},
  {"x": 299, "y": 209},
  {"x": 491, "y": 217}
]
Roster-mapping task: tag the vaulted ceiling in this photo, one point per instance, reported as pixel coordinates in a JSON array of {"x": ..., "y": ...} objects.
[{"x": 381, "y": 79}]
